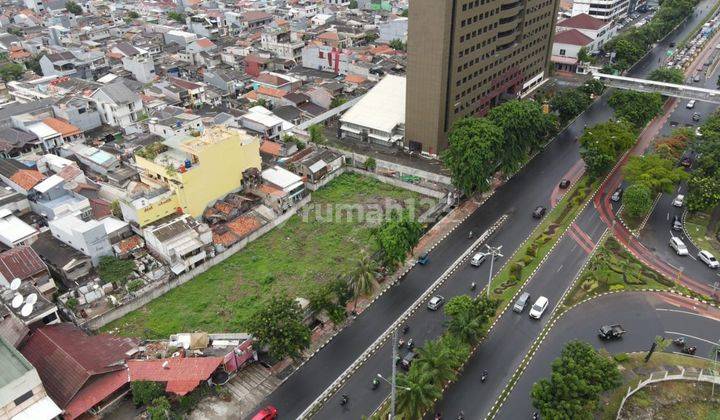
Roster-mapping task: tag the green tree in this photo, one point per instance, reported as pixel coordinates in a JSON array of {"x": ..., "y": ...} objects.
[
  {"x": 405, "y": 12},
  {"x": 371, "y": 37},
  {"x": 353, "y": 4},
  {"x": 592, "y": 87},
  {"x": 583, "y": 55},
  {"x": 659, "y": 174},
  {"x": 703, "y": 192},
  {"x": 578, "y": 378},
  {"x": 73, "y": 8},
  {"x": 636, "y": 107},
  {"x": 33, "y": 64},
  {"x": 569, "y": 104},
  {"x": 668, "y": 75},
  {"x": 637, "y": 200},
  {"x": 159, "y": 409},
  {"x": 416, "y": 392},
  {"x": 602, "y": 144},
  {"x": 324, "y": 298},
  {"x": 467, "y": 317},
  {"x": 397, "y": 44},
  {"x": 396, "y": 236},
  {"x": 176, "y": 16},
  {"x": 115, "y": 209},
  {"x": 473, "y": 153},
  {"x": 370, "y": 164},
  {"x": 362, "y": 281},
  {"x": 15, "y": 31},
  {"x": 11, "y": 71},
  {"x": 434, "y": 356},
  {"x": 525, "y": 128},
  {"x": 114, "y": 270},
  {"x": 144, "y": 392},
  {"x": 133, "y": 14},
  {"x": 337, "y": 101},
  {"x": 316, "y": 134},
  {"x": 279, "y": 326}
]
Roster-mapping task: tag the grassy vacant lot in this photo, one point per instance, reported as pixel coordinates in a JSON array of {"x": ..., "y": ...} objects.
[
  {"x": 290, "y": 259},
  {"x": 696, "y": 225},
  {"x": 614, "y": 268},
  {"x": 669, "y": 400}
]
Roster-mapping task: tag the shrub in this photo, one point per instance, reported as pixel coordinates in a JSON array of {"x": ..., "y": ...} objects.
[
  {"x": 72, "y": 303},
  {"x": 621, "y": 357},
  {"x": 531, "y": 251},
  {"x": 114, "y": 270},
  {"x": 143, "y": 392},
  {"x": 617, "y": 287},
  {"x": 527, "y": 260},
  {"x": 134, "y": 285}
]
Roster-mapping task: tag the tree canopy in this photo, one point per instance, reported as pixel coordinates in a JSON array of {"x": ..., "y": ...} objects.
[
  {"x": 396, "y": 236},
  {"x": 279, "y": 325},
  {"x": 73, "y": 8},
  {"x": 658, "y": 173},
  {"x": 668, "y": 75},
  {"x": 473, "y": 153},
  {"x": 602, "y": 144},
  {"x": 467, "y": 317},
  {"x": 11, "y": 71},
  {"x": 114, "y": 270},
  {"x": 637, "y": 108},
  {"x": 637, "y": 200},
  {"x": 569, "y": 104},
  {"x": 704, "y": 183},
  {"x": 578, "y": 378}
]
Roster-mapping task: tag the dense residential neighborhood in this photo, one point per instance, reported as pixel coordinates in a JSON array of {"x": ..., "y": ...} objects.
[{"x": 446, "y": 209}]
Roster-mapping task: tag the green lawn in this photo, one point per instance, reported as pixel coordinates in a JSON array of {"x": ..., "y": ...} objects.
[
  {"x": 614, "y": 268},
  {"x": 696, "y": 225},
  {"x": 288, "y": 260}
]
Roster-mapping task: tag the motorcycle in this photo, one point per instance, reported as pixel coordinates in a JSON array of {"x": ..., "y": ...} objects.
[
  {"x": 473, "y": 286},
  {"x": 470, "y": 234},
  {"x": 484, "y": 376},
  {"x": 689, "y": 350},
  {"x": 401, "y": 343},
  {"x": 680, "y": 341},
  {"x": 405, "y": 329},
  {"x": 344, "y": 400},
  {"x": 536, "y": 416},
  {"x": 375, "y": 383}
]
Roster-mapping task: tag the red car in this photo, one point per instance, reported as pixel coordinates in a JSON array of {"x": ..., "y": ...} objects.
[{"x": 267, "y": 413}]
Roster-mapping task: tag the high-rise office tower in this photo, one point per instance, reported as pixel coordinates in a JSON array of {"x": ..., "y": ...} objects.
[{"x": 464, "y": 56}]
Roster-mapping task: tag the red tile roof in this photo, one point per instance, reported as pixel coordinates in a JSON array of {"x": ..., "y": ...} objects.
[
  {"x": 96, "y": 390},
  {"x": 582, "y": 21},
  {"x": 185, "y": 84},
  {"x": 270, "y": 148},
  {"x": 244, "y": 225},
  {"x": 63, "y": 127},
  {"x": 353, "y": 78},
  {"x": 181, "y": 374},
  {"x": 277, "y": 93},
  {"x": 131, "y": 243},
  {"x": 225, "y": 239},
  {"x": 100, "y": 208},
  {"x": 205, "y": 43},
  {"x": 21, "y": 262},
  {"x": 27, "y": 178},
  {"x": 572, "y": 37},
  {"x": 66, "y": 358}
]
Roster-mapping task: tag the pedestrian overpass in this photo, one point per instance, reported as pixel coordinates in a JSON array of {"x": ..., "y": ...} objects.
[{"x": 667, "y": 89}]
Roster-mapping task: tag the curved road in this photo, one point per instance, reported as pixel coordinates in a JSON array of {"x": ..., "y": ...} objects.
[{"x": 643, "y": 315}]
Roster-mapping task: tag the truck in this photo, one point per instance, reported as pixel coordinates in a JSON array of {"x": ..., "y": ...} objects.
[{"x": 611, "y": 332}]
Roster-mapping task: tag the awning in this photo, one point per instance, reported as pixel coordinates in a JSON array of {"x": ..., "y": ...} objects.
[
  {"x": 44, "y": 409},
  {"x": 563, "y": 60}
]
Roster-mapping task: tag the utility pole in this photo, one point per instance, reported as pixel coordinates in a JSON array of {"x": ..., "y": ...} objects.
[
  {"x": 716, "y": 349},
  {"x": 494, "y": 252}
]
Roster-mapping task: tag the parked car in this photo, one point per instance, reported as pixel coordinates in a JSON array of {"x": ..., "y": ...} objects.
[
  {"x": 539, "y": 212},
  {"x": 696, "y": 78},
  {"x": 267, "y": 413},
  {"x": 698, "y": 132},
  {"x": 406, "y": 361},
  {"x": 539, "y": 307},
  {"x": 564, "y": 183},
  {"x": 521, "y": 302},
  {"x": 690, "y": 104},
  {"x": 678, "y": 245},
  {"x": 478, "y": 259},
  {"x": 435, "y": 302},
  {"x": 611, "y": 332},
  {"x": 708, "y": 259},
  {"x": 679, "y": 200},
  {"x": 696, "y": 117},
  {"x": 617, "y": 195},
  {"x": 676, "y": 223},
  {"x": 424, "y": 259}
]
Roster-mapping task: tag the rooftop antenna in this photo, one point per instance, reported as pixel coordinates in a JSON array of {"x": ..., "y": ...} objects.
[{"x": 15, "y": 284}]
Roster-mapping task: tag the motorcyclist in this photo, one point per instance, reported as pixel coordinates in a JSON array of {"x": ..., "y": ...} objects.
[
  {"x": 375, "y": 383},
  {"x": 344, "y": 399},
  {"x": 536, "y": 416},
  {"x": 473, "y": 286},
  {"x": 470, "y": 234},
  {"x": 410, "y": 344},
  {"x": 461, "y": 416},
  {"x": 484, "y": 376},
  {"x": 406, "y": 328}
]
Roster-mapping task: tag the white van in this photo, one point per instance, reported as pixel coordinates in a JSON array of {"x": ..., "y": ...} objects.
[{"x": 678, "y": 245}]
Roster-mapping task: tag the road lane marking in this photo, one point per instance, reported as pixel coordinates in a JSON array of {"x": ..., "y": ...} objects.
[
  {"x": 691, "y": 336},
  {"x": 579, "y": 241},
  {"x": 560, "y": 268},
  {"x": 687, "y": 313}
]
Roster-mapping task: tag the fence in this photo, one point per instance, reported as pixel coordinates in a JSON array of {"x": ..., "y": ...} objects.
[
  {"x": 154, "y": 293},
  {"x": 662, "y": 376}
]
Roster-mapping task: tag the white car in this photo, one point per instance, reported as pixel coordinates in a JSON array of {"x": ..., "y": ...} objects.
[
  {"x": 435, "y": 302},
  {"x": 478, "y": 259},
  {"x": 690, "y": 104},
  {"x": 678, "y": 201},
  {"x": 708, "y": 259},
  {"x": 539, "y": 307},
  {"x": 678, "y": 245}
]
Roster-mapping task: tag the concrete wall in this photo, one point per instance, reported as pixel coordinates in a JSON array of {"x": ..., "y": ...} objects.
[
  {"x": 385, "y": 179},
  {"x": 156, "y": 291}
]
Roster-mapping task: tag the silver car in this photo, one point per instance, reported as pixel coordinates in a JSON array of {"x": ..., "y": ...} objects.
[{"x": 435, "y": 302}]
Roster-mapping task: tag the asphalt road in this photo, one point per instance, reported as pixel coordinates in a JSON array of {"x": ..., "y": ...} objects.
[
  {"x": 531, "y": 187},
  {"x": 643, "y": 315}
]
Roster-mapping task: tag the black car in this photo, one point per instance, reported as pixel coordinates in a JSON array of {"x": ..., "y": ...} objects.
[
  {"x": 539, "y": 212},
  {"x": 696, "y": 117},
  {"x": 564, "y": 183},
  {"x": 676, "y": 223}
]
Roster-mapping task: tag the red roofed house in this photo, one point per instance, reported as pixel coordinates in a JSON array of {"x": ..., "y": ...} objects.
[
  {"x": 22, "y": 262},
  {"x": 67, "y": 131},
  {"x": 181, "y": 374},
  {"x": 79, "y": 371},
  {"x": 598, "y": 30},
  {"x": 566, "y": 46}
]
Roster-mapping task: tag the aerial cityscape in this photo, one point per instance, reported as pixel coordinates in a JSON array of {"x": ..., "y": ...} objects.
[{"x": 359, "y": 209}]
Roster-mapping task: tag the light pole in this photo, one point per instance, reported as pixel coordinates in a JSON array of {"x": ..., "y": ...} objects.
[
  {"x": 393, "y": 387},
  {"x": 494, "y": 252},
  {"x": 715, "y": 373}
]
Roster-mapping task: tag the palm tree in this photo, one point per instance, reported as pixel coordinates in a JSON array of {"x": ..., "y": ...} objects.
[
  {"x": 436, "y": 357},
  {"x": 362, "y": 281},
  {"x": 466, "y": 326},
  {"x": 416, "y": 393}
]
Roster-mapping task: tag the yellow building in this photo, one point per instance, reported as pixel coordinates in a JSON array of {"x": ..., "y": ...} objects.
[{"x": 195, "y": 171}]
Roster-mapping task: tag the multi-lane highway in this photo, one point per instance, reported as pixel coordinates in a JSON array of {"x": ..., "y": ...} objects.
[
  {"x": 516, "y": 199},
  {"x": 643, "y": 315}
]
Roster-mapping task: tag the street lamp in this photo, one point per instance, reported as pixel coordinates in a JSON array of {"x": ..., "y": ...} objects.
[
  {"x": 404, "y": 388},
  {"x": 494, "y": 252},
  {"x": 393, "y": 388}
]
